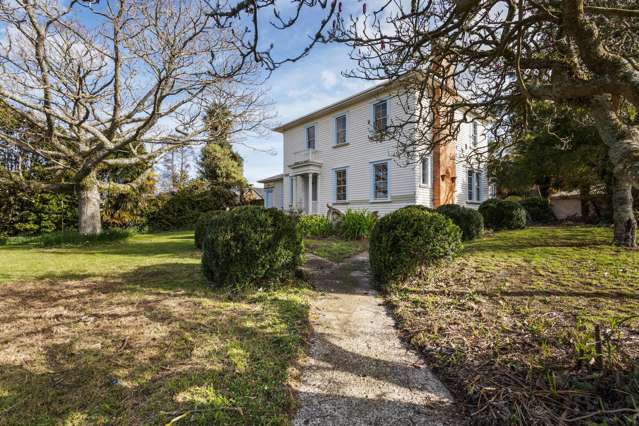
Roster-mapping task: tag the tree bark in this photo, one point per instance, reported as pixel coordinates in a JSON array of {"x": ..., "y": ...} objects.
[
  {"x": 89, "y": 220},
  {"x": 623, "y": 149},
  {"x": 624, "y": 218}
]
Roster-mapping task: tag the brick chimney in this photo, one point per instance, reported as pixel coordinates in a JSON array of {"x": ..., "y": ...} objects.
[{"x": 444, "y": 150}]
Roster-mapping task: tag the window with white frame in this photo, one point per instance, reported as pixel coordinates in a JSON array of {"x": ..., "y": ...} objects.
[
  {"x": 340, "y": 130},
  {"x": 310, "y": 137},
  {"x": 474, "y": 133},
  {"x": 426, "y": 169},
  {"x": 268, "y": 197},
  {"x": 381, "y": 180},
  {"x": 340, "y": 185},
  {"x": 380, "y": 116},
  {"x": 474, "y": 186}
]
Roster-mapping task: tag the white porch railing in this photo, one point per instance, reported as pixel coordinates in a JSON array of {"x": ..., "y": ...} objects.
[{"x": 306, "y": 155}]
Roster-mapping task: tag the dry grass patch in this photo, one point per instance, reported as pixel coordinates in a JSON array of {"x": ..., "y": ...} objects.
[
  {"x": 145, "y": 345},
  {"x": 534, "y": 326}
]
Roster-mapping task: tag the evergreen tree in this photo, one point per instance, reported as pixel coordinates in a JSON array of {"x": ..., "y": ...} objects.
[{"x": 219, "y": 164}]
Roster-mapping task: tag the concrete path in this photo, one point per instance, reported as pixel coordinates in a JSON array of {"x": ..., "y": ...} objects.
[{"x": 358, "y": 371}]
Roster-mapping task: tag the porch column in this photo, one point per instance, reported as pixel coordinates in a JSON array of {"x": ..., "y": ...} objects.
[
  {"x": 310, "y": 193},
  {"x": 292, "y": 188}
]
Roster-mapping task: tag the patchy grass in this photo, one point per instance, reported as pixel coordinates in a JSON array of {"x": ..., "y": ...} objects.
[
  {"x": 335, "y": 249},
  {"x": 514, "y": 326},
  {"x": 128, "y": 333}
]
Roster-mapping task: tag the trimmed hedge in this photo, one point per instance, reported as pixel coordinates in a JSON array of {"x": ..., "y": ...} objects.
[
  {"x": 356, "y": 224},
  {"x": 201, "y": 225},
  {"x": 538, "y": 209},
  {"x": 470, "y": 221},
  {"x": 249, "y": 245},
  {"x": 314, "y": 226},
  {"x": 408, "y": 238},
  {"x": 503, "y": 214}
]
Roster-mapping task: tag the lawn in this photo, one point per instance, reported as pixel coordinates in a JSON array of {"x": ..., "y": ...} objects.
[
  {"x": 335, "y": 249},
  {"x": 128, "y": 333},
  {"x": 513, "y": 326}
]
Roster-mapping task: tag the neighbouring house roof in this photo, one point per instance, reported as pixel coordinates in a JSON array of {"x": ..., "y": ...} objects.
[
  {"x": 258, "y": 191},
  {"x": 334, "y": 107},
  {"x": 272, "y": 178}
]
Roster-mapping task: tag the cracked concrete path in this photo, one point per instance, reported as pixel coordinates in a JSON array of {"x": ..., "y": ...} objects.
[{"x": 358, "y": 371}]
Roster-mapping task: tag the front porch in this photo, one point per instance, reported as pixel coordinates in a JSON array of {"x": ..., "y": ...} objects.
[{"x": 304, "y": 189}]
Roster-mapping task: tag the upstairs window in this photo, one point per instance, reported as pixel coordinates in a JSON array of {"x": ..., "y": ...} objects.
[
  {"x": 474, "y": 186},
  {"x": 380, "y": 116},
  {"x": 340, "y": 185},
  {"x": 310, "y": 137},
  {"x": 340, "y": 130},
  {"x": 426, "y": 171},
  {"x": 380, "y": 181}
]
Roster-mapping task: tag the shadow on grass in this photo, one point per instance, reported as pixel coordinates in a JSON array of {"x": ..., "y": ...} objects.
[{"x": 100, "y": 355}]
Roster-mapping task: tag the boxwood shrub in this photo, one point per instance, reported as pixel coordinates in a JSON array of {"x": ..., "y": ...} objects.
[
  {"x": 408, "y": 238},
  {"x": 538, "y": 210},
  {"x": 503, "y": 214},
  {"x": 314, "y": 226},
  {"x": 201, "y": 225},
  {"x": 250, "y": 245},
  {"x": 469, "y": 220}
]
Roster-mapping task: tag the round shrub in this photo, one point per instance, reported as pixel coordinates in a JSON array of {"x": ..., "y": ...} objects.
[
  {"x": 249, "y": 245},
  {"x": 356, "y": 224},
  {"x": 469, "y": 220},
  {"x": 201, "y": 225},
  {"x": 538, "y": 209},
  {"x": 503, "y": 214},
  {"x": 314, "y": 226},
  {"x": 409, "y": 238}
]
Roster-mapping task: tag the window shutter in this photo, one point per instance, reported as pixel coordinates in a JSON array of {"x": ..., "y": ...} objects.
[
  {"x": 334, "y": 130},
  {"x": 371, "y": 118}
]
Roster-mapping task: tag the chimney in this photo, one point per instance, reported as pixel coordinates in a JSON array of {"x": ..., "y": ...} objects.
[{"x": 444, "y": 149}]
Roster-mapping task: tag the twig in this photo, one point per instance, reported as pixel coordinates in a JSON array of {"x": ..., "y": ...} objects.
[
  {"x": 597, "y": 413},
  {"x": 181, "y": 415}
]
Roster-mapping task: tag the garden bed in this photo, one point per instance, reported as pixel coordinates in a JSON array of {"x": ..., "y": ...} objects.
[{"x": 513, "y": 326}]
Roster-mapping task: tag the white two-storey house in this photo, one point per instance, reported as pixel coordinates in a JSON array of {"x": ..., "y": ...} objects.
[{"x": 330, "y": 160}]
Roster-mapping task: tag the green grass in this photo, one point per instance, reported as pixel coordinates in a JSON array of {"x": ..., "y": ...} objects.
[
  {"x": 335, "y": 249},
  {"x": 511, "y": 324},
  {"x": 127, "y": 333}
]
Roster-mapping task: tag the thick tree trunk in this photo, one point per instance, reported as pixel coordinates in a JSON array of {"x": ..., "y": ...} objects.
[
  {"x": 624, "y": 218},
  {"x": 623, "y": 149},
  {"x": 89, "y": 220}
]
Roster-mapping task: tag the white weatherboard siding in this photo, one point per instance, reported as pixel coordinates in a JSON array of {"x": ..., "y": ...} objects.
[
  {"x": 356, "y": 157},
  {"x": 464, "y": 146}
]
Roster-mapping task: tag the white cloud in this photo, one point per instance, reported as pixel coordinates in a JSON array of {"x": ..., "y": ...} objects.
[{"x": 329, "y": 78}]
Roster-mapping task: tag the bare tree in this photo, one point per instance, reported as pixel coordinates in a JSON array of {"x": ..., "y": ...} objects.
[
  {"x": 493, "y": 57},
  {"x": 99, "y": 79}
]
